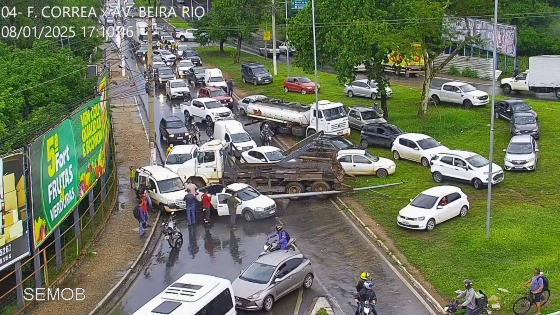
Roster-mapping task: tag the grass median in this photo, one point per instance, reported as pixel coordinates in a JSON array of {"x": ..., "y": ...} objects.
[{"x": 524, "y": 232}]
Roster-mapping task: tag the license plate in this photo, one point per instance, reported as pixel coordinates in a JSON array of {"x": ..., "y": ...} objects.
[
  {"x": 238, "y": 303},
  {"x": 166, "y": 237},
  {"x": 179, "y": 137},
  {"x": 404, "y": 223},
  {"x": 339, "y": 133},
  {"x": 271, "y": 211}
]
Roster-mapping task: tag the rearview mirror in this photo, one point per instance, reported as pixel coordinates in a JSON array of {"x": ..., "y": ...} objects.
[
  {"x": 416, "y": 148},
  {"x": 241, "y": 271},
  {"x": 536, "y": 150},
  {"x": 278, "y": 280},
  {"x": 504, "y": 150}
]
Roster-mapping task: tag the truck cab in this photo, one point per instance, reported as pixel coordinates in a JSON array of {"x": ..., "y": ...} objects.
[
  {"x": 332, "y": 119},
  {"x": 208, "y": 166},
  {"x": 518, "y": 83},
  {"x": 232, "y": 132},
  {"x": 214, "y": 77}
]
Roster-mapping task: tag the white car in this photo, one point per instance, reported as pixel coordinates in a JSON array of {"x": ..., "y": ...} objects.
[
  {"x": 165, "y": 188},
  {"x": 361, "y": 162},
  {"x": 253, "y": 205},
  {"x": 176, "y": 88},
  {"x": 186, "y": 35},
  {"x": 167, "y": 38},
  {"x": 181, "y": 156},
  {"x": 416, "y": 147},
  {"x": 167, "y": 56},
  {"x": 207, "y": 109},
  {"x": 459, "y": 93},
  {"x": 264, "y": 154},
  {"x": 464, "y": 166},
  {"x": 433, "y": 206},
  {"x": 522, "y": 153},
  {"x": 365, "y": 88},
  {"x": 109, "y": 19},
  {"x": 183, "y": 67}
]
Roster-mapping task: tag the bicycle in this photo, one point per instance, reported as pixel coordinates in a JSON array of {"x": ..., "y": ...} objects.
[{"x": 523, "y": 304}]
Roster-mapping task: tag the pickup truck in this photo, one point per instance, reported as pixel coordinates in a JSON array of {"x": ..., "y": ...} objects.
[
  {"x": 268, "y": 52},
  {"x": 543, "y": 76},
  {"x": 459, "y": 93}
]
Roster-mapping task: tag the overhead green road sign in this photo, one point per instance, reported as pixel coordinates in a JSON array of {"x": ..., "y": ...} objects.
[{"x": 298, "y": 4}]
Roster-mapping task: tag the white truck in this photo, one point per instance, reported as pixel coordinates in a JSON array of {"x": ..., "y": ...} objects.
[
  {"x": 543, "y": 76},
  {"x": 459, "y": 93},
  {"x": 141, "y": 33},
  {"x": 214, "y": 77},
  {"x": 300, "y": 120}
]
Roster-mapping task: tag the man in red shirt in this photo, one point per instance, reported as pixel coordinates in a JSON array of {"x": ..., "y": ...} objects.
[{"x": 206, "y": 205}]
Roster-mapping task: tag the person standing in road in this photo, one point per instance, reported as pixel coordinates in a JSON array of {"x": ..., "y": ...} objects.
[
  {"x": 537, "y": 288},
  {"x": 190, "y": 201},
  {"x": 230, "y": 88},
  {"x": 132, "y": 173},
  {"x": 232, "y": 204},
  {"x": 191, "y": 188},
  {"x": 144, "y": 205},
  {"x": 141, "y": 219},
  {"x": 206, "y": 204},
  {"x": 169, "y": 148}
]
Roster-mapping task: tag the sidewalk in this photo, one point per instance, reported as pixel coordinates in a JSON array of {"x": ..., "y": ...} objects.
[{"x": 119, "y": 244}]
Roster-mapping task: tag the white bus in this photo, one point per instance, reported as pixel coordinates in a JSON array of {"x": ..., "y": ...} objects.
[{"x": 193, "y": 294}]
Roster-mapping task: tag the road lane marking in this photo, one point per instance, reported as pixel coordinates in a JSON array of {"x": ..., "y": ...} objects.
[
  {"x": 387, "y": 262},
  {"x": 298, "y": 303}
]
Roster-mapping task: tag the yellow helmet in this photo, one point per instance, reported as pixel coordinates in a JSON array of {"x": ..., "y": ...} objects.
[{"x": 364, "y": 276}]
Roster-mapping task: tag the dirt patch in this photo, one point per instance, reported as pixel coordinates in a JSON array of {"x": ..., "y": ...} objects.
[{"x": 118, "y": 245}]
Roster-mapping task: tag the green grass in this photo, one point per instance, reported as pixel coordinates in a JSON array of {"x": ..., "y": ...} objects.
[
  {"x": 321, "y": 312},
  {"x": 524, "y": 224},
  {"x": 177, "y": 22}
]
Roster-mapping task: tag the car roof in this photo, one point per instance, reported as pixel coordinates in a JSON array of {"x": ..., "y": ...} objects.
[
  {"x": 183, "y": 148},
  {"x": 351, "y": 151},
  {"x": 521, "y": 139},
  {"x": 456, "y": 83},
  {"x": 237, "y": 186},
  {"x": 212, "y": 88},
  {"x": 460, "y": 153},
  {"x": 253, "y": 64},
  {"x": 527, "y": 114},
  {"x": 514, "y": 100},
  {"x": 364, "y": 81},
  {"x": 172, "y": 118},
  {"x": 185, "y": 60},
  {"x": 361, "y": 108},
  {"x": 205, "y": 99},
  {"x": 414, "y": 136},
  {"x": 176, "y": 80},
  {"x": 266, "y": 148},
  {"x": 381, "y": 125},
  {"x": 441, "y": 190},
  {"x": 158, "y": 172},
  {"x": 277, "y": 257}
]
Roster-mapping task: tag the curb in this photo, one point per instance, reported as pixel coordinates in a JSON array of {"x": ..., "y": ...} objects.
[
  {"x": 317, "y": 304},
  {"x": 109, "y": 295}
]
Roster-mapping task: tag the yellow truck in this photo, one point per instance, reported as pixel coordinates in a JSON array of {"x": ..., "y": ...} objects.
[{"x": 410, "y": 64}]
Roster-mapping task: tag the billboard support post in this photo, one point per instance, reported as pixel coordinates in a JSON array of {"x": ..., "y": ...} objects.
[
  {"x": 77, "y": 229},
  {"x": 19, "y": 289},
  {"x": 92, "y": 205},
  {"x": 103, "y": 182},
  {"x": 57, "y": 246},
  {"x": 37, "y": 269}
]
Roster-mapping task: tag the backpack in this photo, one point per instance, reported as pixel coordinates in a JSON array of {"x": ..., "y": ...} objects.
[
  {"x": 544, "y": 282},
  {"x": 136, "y": 212},
  {"x": 287, "y": 235}
]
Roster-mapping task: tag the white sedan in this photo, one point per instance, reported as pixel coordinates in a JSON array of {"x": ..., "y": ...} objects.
[
  {"x": 433, "y": 206},
  {"x": 183, "y": 67},
  {"x": 264, "y": 154},
  {"x": 416, "y": 147},
  {"x": 360, "y": 162}
]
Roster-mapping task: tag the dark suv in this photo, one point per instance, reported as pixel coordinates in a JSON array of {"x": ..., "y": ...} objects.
[
  {"x": 255, "y": 73},
  {"x": 525, "y": 123},
  {"x": 507, "y": 108},
  {"x": 195, "y": 75},
  {"x": 379, "y": 134},
  {"x": 173, "y": 130}
]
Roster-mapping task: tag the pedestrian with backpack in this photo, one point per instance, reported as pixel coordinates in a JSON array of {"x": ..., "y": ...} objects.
[
  {"x": 138, "y": 213},
  {"x": 539, "y": 284}
]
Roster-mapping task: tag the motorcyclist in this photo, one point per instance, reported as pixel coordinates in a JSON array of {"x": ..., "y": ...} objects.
[
  {"x": 469, "y": 295},
  {"x": 364, "y": 276},
  {"x": 366, "y": 294},
  {"x": 193, "y": 130},
  {"x": 283, "y": 237},
  {"x": 266, "y": 132}
]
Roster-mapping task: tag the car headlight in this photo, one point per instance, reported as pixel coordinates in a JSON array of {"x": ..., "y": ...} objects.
[
  {"x": 517, "y": 132},
  {"x": 171, "y": 136},
  {"x": 259, "y": 209},
  {"x": 507, "y": 160},
  {"x": 172, "y": 204},
  {"x": 216, "y": 114},
  {"x": 254, "y": 296},
  {"x": 260, "y": 79},
  {"x": 420, "y": 219},
  {"x": 535, "y": 130},
  {"x": 531, "y": 159}
]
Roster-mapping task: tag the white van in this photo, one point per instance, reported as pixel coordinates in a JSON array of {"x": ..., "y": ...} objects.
[
  {"x": 232, "y": 132},
  {"x": 181, "y": 156},
  {"x": 193, "y": 294},
  {"x": 214, "y": 77}
]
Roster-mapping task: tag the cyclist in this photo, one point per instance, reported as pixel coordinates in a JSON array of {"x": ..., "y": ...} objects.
[
  {"x": 470, "y": 302},
  {"x": 537, "y": 288}
]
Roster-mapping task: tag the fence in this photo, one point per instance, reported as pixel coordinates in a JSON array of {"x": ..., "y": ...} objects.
[{"x": 48, "y": 266}]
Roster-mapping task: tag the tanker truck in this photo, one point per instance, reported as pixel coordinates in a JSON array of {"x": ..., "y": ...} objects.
[{"x": 298, "y": 119}]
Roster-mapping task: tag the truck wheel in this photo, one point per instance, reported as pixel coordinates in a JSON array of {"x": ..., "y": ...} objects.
[
  {"x": 242, "y": 111},
  {"x": 557, "y": 93},
  {"x": 435, "y": 99},
  {"x": 298, "y": 131},
  {"x": 199, "y": 183},
  {"x": 295, "y": 188},
  {"x": 311, "y": 132},
  {"x": 319, "y": 186},
  {"x": 467, "y": 103},
  {"x": 208, "y": 120},
  {"x": 506, "y": 89}
]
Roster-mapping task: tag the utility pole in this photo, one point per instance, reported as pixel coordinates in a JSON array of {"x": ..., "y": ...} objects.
[
  {"x": 121, "y": 36},
  {"x": 151, "y": 109},
  {"x": 287, "y": 43},
  {"x": 315, "y": 66},
  {"x": 274, "y": 65},
  {"x": 491, "y": 156}
]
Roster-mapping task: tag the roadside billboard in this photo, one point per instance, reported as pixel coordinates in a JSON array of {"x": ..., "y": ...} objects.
[
  {"x": 66, "y": 162},
  {"x": 14, "y": 235}
]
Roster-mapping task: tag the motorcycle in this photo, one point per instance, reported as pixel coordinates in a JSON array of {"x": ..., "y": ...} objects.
[
  {"x": 266, "y": 138},
  {"x": 481, "y": 305},
  {"x": 171, "y": 233},
  {"x": 271, "y": 245},
  {"x": 366, "y": 307}
]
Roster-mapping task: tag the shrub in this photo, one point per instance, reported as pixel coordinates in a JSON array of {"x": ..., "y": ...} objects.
[
  {"x": 454, "y": 71},
  {"x": 469, "y": 73}
]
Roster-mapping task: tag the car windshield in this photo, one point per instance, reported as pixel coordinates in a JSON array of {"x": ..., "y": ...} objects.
[
  {"x": 178, "y": 84},
  {"x": 274, "y": 156},
  {"x": 303, "y": 80},
  {"x": 524, "y": 120},
  {"x": 240, "y": 137},
  {"x": 258, "y": 273},
  {"x": 424, "y": 201},
  {"x": 217, "y": 93},
  {"x": 185, "y": 63},
  {"x": 159, "y": 64},
  {"x": 370, "y": 114},
  {"x": 178, "y": 158},
  {"x": 191, "y": 53},
  {"x": 217, "y": 79},
  {"x": 395, "y": 129},
  {"x": 477, "y": 161},
  {"x": 467, "y": 88},
  {"x": 212, "y": 104},
  {"x": 183, "y": 47},
  {"x": 428, "y": 143},
  {"x": 520, "y": 107},
  {"x": 165, "y": 52},
  {"x": 260, "y": 70},
  {"x": 175, "y": 124},
  {"x": 373, "y": 84},
  {"x": 334, "y": 113},
  {"x": 170, "y": 185},
  {"x": 247, "y": 193},
  {"x": 166, "y": 71},
  {"x": 371, "y": 157},
  {"x": 520, "y": 148},
  {"x": 341, "y": 144}
]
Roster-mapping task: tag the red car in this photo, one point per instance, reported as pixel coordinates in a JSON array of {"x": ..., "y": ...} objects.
[
  {"x": 299, "y": 84},
  {"x": 216, "y": 93}
]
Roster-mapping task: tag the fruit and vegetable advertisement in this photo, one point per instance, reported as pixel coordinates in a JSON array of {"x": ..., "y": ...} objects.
[{"x": 66, "y": 163}]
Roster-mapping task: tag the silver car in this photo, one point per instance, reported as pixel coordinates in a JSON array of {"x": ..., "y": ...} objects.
[
  {"x": 271, "y": 277},
  {"x": 365, "y": 88},
  {"x": 522, "y": 153},
  {"x": 359, "y": 116}
]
